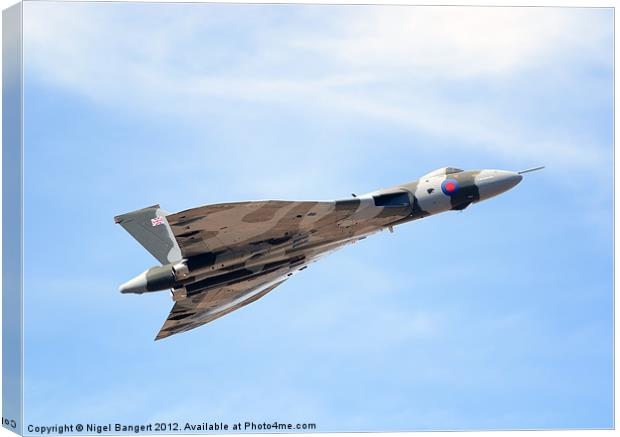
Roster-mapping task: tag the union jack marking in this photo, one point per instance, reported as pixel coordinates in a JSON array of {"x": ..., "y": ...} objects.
[{"x": 157, "y": 221}]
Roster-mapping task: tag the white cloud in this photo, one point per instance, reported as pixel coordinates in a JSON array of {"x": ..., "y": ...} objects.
[
  {"x": 456, "y": 41},
  {"x": 391, "y": 65}
]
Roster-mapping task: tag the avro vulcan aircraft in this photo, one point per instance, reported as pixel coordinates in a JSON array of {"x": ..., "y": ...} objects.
[{"x": 219, "y": 258}]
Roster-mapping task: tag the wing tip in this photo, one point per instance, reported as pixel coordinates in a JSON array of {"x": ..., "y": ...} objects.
[{"x": 161, "y": 335}]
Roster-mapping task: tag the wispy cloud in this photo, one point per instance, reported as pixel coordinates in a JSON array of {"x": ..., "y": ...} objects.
[
  {"x": 414, "y": 68},
  {"x": 455, "y": 42}
]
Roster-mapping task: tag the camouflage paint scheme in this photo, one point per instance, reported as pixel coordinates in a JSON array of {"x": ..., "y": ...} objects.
[{"x": 219, "y": 258}]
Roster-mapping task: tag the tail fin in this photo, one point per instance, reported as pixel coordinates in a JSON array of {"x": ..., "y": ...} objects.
[{"x": 150, "y": 227}]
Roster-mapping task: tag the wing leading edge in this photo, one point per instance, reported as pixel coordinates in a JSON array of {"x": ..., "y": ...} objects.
[{"x": 194, "y": 311}]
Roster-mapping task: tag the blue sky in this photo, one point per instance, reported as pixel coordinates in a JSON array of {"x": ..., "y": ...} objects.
[{"x": 497, "y": 317}]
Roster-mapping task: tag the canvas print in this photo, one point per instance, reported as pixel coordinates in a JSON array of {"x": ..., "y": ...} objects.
[{"x": 243, "y": 218}]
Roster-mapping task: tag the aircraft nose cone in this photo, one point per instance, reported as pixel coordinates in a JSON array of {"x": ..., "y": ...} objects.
[
  {"x": 508, "y": 179},
  {"x": 493, "y": 182}
]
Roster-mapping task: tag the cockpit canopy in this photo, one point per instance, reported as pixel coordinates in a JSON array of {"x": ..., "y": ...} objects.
[{"x": 442, "y": 172}]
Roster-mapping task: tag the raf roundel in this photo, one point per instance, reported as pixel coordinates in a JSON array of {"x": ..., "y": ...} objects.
[{"x": 449, "y": 187}]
